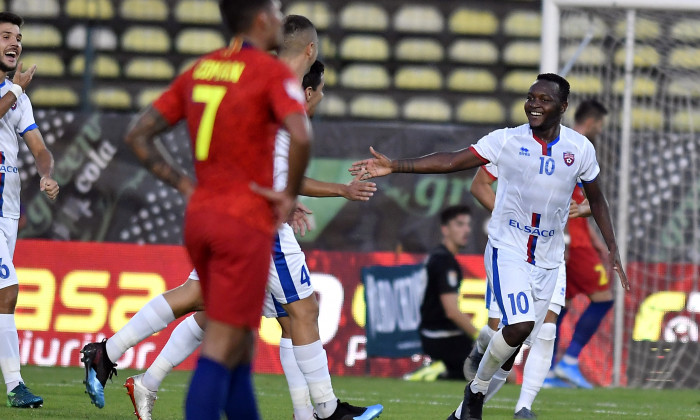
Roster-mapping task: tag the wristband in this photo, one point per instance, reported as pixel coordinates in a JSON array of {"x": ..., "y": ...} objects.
[{"x": 17, "y": 90}]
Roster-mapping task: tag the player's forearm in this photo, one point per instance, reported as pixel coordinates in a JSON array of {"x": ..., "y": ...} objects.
[
  {"x": 44, "y": 163},
  {"x": 313, "y": 188},
  {"x": 601, "y": 214},
  {"x": 437, "y": 163},
  {"x": 464, "y": 322},
  {"x": 299, "y": 151}
]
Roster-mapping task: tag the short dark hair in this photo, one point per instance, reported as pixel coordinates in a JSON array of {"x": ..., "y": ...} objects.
[
  {"x": 11, "y": 18},
  {"x": 590, "y": 108},
  {"x": 298, "y": 31},
  {"x": 238, "y": 14},
  {"x": 451, "y": 213},
  {"x": 563, "y": 84},
  {"x": 313, "y": 78},
  {"x": 296, "y": 23}
]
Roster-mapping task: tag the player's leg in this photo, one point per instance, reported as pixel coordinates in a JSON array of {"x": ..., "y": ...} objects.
[
  {"x": 184, "y": 340},
  {"x": 485, "y": 334},
  {"x": 296, "y": 382},
  {"x": 18, "y": 395}
]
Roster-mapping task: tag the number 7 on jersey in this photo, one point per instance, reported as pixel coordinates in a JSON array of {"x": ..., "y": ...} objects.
[{"x": 211, "y": 97}]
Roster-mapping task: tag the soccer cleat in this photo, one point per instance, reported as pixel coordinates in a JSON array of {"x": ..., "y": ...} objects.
[
  {"x": 471, "y": 364},
  {"x": 473, "y": 404},
  {"x": 572, "y": 374},
  {"x": 524, "y": 413},
  {"x": 556, "y": 383},
  {"x": 427, "y": 373},
  {"x": 345, "y": 411},
  {"x": 98, "y": 368},
  {"x": 141, "y": 397},
  {"x": 22, "y": 397}
]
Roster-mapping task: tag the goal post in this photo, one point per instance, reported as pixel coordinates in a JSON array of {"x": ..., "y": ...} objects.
[{"x": 643, "y": 63}]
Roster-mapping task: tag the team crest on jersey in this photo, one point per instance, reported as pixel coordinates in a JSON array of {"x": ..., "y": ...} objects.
[{"x": 568, "y": 158}]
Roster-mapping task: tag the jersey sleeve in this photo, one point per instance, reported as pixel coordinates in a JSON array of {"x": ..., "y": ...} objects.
[
  {"x": 589, "y": 164},
  {"x": 491, "y": 170},
  {"x": 490, "y": 146},
  {"x": 444, "y": 274},
  {"x": 286, "y": 95},
  {"x": 172, "y": 103},
  {"x": 26, "y": 120}
]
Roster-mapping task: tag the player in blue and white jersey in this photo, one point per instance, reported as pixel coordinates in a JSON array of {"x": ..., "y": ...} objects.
[
  {"x": 17, "y": 119},
  {"x": 539, "y": 164}
]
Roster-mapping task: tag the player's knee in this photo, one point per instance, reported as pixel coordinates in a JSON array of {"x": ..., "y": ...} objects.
[
  {"x": 515, "y": 334},
  {"x": 547, "y": 332}
]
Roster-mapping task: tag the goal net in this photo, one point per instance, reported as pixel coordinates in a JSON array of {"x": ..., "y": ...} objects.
[{"x": 643, "y": 64}]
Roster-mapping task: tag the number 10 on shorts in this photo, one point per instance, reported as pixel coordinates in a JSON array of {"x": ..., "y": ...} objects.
[{"x": 519, "y": 303}]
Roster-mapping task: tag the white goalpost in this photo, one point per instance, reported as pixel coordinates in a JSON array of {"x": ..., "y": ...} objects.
[{"x": 641, "y": 59}]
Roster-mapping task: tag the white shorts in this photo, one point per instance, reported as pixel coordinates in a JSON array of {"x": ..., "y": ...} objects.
[
  {"x": 522, "y": 291},
  {"x": 8, "y": 239},
  {"x": 289, "y": 279}
]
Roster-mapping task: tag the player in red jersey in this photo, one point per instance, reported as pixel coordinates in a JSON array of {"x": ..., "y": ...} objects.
[{"x": 233, "y": 100}]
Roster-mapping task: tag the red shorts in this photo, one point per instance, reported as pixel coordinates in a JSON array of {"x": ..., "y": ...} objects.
[
  {"x": 585, "y": 273},
  {"x": 233, "y": 261}
]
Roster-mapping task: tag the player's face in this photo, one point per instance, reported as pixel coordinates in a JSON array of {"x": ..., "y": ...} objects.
[
  {"x": 314, "y": 97},
  {"x": 458, "y": 229},
  {"x": 274, "y": 25},
  {"x": 10, "y": 46},
  {"x": 595, "y": 128},
  {"x": 542, "y": 106}
]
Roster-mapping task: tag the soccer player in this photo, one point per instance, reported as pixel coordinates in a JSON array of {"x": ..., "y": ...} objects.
[
  {"x": 539, "y": 165},
  {"x": 234, "y": 100},
  {"x": 17, "y": 118}
]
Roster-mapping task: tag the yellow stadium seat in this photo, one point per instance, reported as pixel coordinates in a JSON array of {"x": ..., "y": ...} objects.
[
  {"x": 522, "y": 53},
  {"x": 150, "y": 39},
  {"x": 585, "y": 84},
  {"x": 686, "y": 30},
  {"x": 646, "y": 118},
  {"x": 89, "y": 9},
  {"x": 53, "y": 96},
  {"x": 147, "y": 96},
  {"x": 427, "y": 109},
  {"x": 473, "y": 51},
  {"x": 685, "y": 57},
  {"x": 198, "y": 11},
  {"x": 418, "y": 78},
  {"x": 35, "y": 8},
  {"x": 332, "y": 106},
  {"x": 149, "y": 68},
  {"x": 641, "y": 86},
  {"x": 330, "y": 76},
  {"x": 480, "y": 111},
  {"x": 519, "y": 81},
  {"x": 199, "y": 41},
  {"x": 374, "y": 106},
  {"x": 318, "y": 12},
  {"x": 517, "y": 112},
  {"x": 364, "y": 48},
  {"x": 592, "y": 55},
  {"x": 47, "y": 64},
  {"x": 685, "y": 86},
  {"x": 41, "y": 36},
  {"x": 644, "y": 56},
  {"x": 523, "y": 23},
  {"x": 111, "y": 97},
  {"x": 103, "y": 66},
  {"x": 364, "y": 17},
  {"x": 465, "y": 21},
  {"x": 472, "y": 80},
  {"x": 577, "y": 27},
  {"x": 144, "y": 10},
  {"x": 326, "y": 47},
  {"x": 644, "y": 29},
  {"x": 102, "y": 38},
  {"x": 686, "y": 121},
  {"x": 419, "y": 49},
  {"x": 418, "y": 18},
  {"x": 365, "y": 76}
]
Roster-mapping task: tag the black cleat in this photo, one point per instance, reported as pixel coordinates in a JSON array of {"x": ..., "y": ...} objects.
[
  {"x": 345, "y": 411},
  {"x": 453, "y": 416},
  {"x": 471, "y": 364},
  {"x": 524, "y": 413},
  {"x": 98, "y": 368},
  {"x": 473, "y": 404}
]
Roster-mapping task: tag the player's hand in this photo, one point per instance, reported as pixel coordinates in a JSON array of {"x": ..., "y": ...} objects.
[
  {"x": 573, "y": 210},
  {"x": 616, "y": 262},
  {"x": 282, "y": 202},
  {"x": 23, "y": 79},
  {"x": 299, "y": 220},
  {"x": 357, "y": 190},
  {"x": 49, "y": 186},
  {"x": 372, "y": 168}
]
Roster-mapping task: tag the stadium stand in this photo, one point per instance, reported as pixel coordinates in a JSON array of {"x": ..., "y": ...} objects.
[{"x": 155, "y": 10}]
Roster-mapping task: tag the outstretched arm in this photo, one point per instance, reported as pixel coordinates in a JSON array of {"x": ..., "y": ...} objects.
[
  {"x": 141, "y": 138},
  {"x": 601, "y": 214},
  {"x": 434, "y": 163},
  {"x": 354, "y": 190}
]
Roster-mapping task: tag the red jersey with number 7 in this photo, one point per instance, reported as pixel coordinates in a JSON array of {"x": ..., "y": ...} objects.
[{"x": 234, "y": 100}]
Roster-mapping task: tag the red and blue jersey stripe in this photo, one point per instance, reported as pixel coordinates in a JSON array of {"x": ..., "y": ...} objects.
[
  {"x": 532, "y": 240},
  {"x": 2, "y": 184}
]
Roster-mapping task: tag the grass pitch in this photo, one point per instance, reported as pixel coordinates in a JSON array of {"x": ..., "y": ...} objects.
[{"x": 64, "y": 398}]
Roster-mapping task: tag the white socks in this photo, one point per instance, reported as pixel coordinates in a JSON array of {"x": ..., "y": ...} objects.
[
  {"x": 9, "y": 351},
  {"x": 153, "y": 317},
  {"x": 537, "y": 365},
  {"x": 184, "y": 340},
  {"x": 483, "y": 339},
  {"x": 499, "y": 378},
  {"x": 313, "y": 363},
  {"x": 496, "y": 354},
  {"x": 301, "y": 402}
]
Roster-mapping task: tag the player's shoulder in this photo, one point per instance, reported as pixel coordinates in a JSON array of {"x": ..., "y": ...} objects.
[
  {"x": 510, "y": 132},
  {"x": 574, "y": 137}
]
